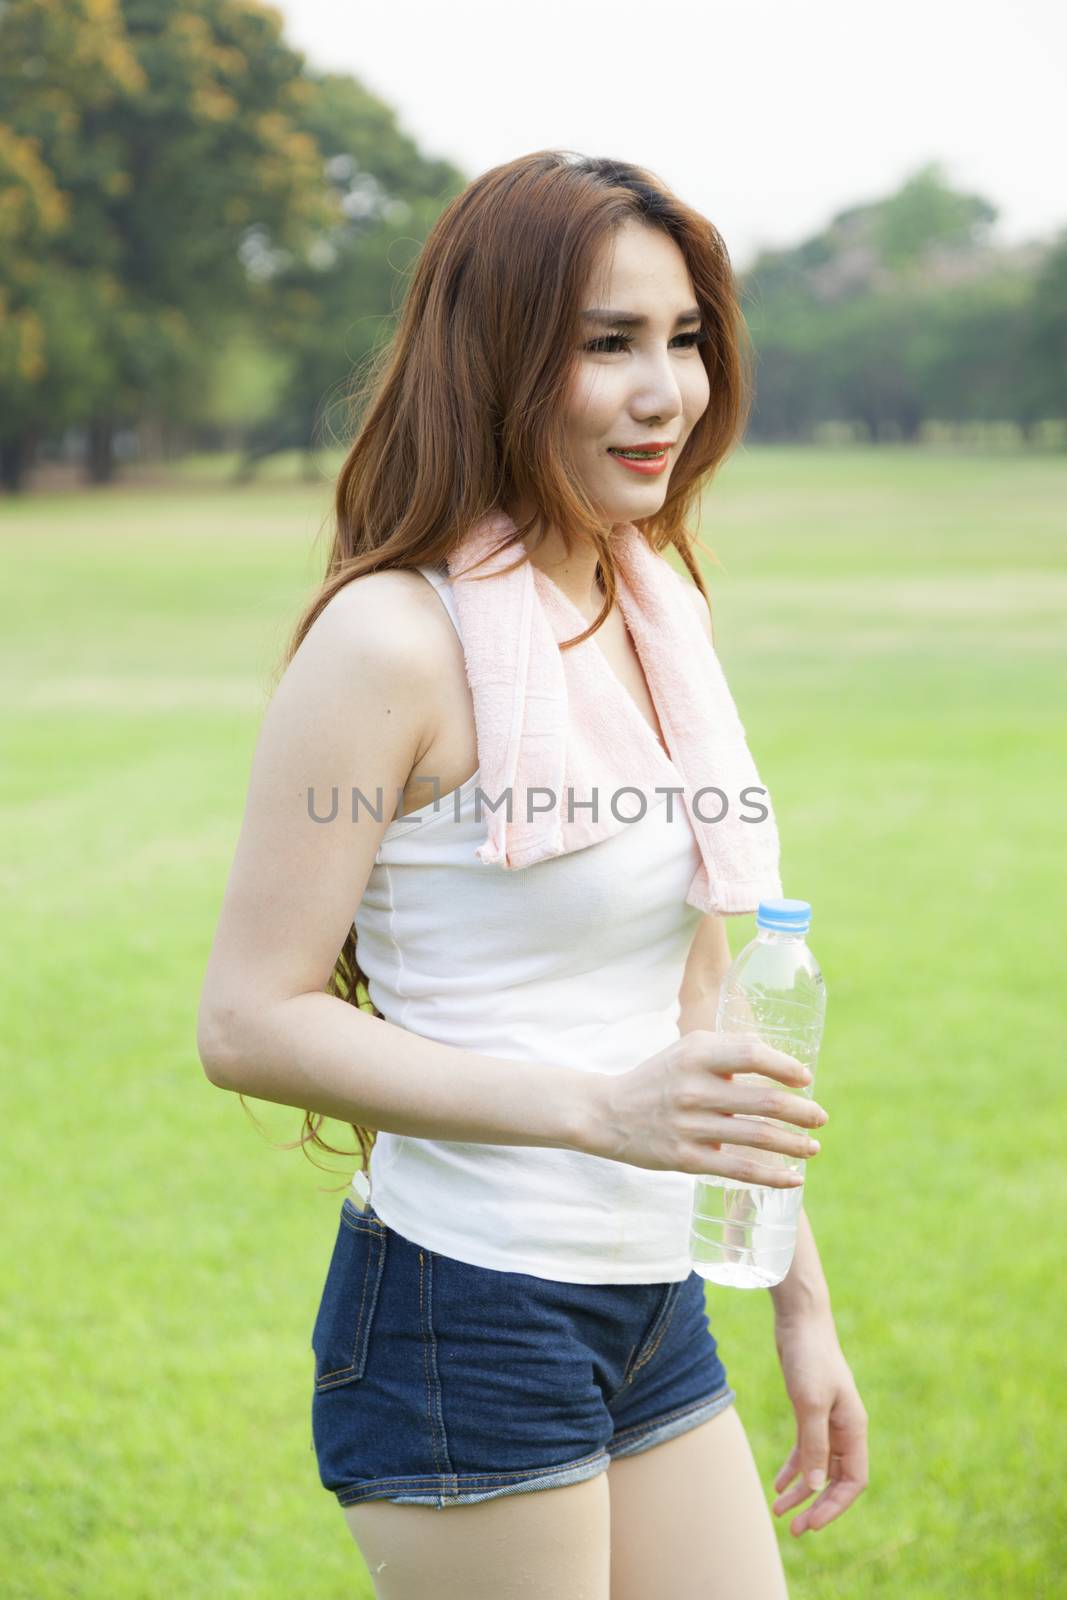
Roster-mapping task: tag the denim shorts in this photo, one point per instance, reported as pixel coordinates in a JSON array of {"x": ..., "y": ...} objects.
[{"x": 439, "y": 1383}]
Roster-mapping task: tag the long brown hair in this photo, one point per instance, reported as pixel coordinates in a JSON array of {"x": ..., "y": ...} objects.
[{"x": 461, "y": 412}]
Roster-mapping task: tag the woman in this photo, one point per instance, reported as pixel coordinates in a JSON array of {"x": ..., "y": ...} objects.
[{"x": 510, "y": 1332}]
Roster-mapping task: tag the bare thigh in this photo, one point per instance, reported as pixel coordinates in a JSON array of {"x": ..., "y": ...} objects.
[
  {"x": 544, "y": 1542},
  {"x": 689, "y": 1519}
]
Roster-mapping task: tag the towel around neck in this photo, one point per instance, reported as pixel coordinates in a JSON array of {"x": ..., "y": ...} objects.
[{"x": 562, "y": 746}]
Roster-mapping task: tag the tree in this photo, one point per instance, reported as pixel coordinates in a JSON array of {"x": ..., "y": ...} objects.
[
  {"x": 170, "y": 131},
  {"x": 900, "y": 311},
  {"x": 331, "y": 304},
  {"x": 1045, "y": 384}
]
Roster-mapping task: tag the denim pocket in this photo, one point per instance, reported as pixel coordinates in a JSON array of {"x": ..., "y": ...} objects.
[{"x": 341, "y": 1335}]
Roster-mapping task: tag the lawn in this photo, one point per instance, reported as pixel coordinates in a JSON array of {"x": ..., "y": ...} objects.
[{"x": 892, "y": 626}]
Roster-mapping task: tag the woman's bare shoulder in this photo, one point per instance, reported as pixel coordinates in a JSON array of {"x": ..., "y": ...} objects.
[
  {"x": 376, "y": 642},
  {"x": 392, "y": 617}
]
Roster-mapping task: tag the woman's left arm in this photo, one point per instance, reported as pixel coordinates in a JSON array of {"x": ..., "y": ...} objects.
[
  {"x": 831, "y": 1418},
  {"x": 804, "y": 1288},
  {"x": 831, "y": 1445}
]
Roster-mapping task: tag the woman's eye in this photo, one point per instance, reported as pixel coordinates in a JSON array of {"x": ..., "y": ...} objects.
[{"x": 611, "y": 342}]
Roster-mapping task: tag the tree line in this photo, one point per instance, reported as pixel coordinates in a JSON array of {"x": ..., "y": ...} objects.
[{"x": 201, "y": 237}]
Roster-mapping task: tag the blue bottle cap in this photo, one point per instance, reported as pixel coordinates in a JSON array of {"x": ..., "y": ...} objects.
[{"x": 784, "y": 916}]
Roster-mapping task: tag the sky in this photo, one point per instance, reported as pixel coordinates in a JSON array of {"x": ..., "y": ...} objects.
[{"x": 768, "y": 116}]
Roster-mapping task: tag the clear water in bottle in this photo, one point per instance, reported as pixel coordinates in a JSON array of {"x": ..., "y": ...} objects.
[{"x": 744, "y": 1234}]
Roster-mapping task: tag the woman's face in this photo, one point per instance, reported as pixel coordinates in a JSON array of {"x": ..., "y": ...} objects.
[{"x": 636, "y": 383}]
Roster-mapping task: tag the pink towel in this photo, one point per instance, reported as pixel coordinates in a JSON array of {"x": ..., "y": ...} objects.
[{"x": 559, "y": 729}]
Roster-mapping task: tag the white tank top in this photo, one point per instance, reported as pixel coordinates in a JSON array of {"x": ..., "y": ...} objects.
[{"x": 576, "y": 960}]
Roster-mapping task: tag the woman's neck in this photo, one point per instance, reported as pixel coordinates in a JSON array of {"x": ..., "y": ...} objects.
[{"x": 576, "y": 575}]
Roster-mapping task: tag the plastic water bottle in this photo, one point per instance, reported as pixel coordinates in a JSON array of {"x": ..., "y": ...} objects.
[{"x": 744, "y": 1234}]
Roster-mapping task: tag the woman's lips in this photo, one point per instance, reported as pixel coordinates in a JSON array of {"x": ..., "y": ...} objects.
[{"x": 651, "y": 468}]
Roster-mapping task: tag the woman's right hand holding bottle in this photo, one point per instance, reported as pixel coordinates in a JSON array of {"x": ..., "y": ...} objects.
[{"x": 676, "y": 1110}]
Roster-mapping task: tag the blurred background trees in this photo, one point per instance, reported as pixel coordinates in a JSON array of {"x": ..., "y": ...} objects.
[
  {"x": 201, "y": 238},
  {"x": 902, "y": 315}
]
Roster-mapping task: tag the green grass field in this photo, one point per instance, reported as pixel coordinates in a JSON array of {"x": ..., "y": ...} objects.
[{"x": 892, "y": 625}]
